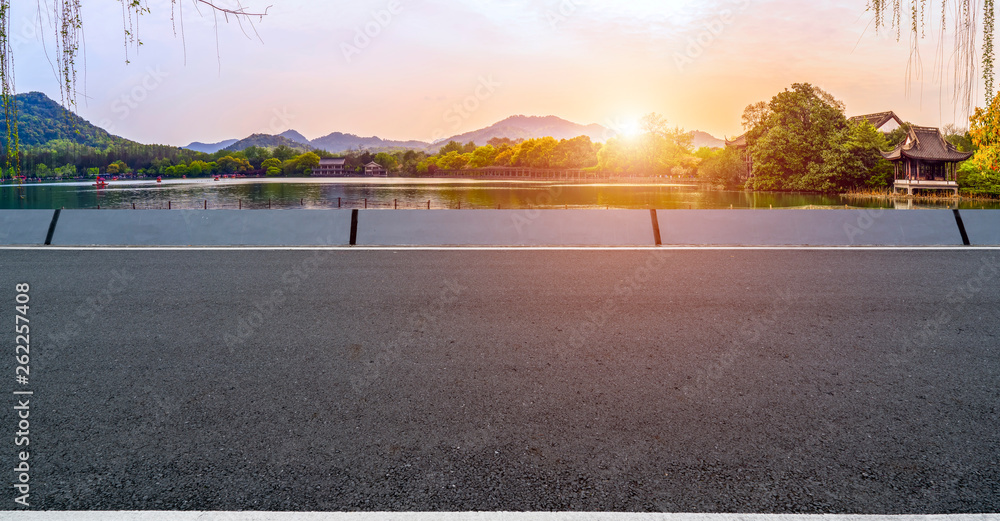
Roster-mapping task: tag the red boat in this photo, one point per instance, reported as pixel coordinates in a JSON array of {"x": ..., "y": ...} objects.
[{"x": 101, "y": 183}]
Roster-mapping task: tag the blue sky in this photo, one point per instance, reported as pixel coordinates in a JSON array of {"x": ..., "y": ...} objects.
[{"x": 428, "y": 69}]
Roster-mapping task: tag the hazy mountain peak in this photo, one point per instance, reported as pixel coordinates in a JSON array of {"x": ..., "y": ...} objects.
[{"x": 295, "y": 136}]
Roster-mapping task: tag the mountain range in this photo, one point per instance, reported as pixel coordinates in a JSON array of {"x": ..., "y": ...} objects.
[
  {"x": 514, "y": 127},
  {"x": 42, "y": 120}
]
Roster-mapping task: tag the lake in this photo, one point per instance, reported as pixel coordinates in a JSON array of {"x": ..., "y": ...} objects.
[{"x": 408, "y": 193}]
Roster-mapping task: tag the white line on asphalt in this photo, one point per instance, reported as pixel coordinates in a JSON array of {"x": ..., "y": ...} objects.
[
  {"x": 498, "y": 248},
  {"x": 470, "y": 516}
]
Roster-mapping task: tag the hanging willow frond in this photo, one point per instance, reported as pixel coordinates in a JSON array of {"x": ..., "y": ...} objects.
[
  {"x": 68, "y": 26},
  {"x": 966, "y": 21},
  {"x": 11, "y": 141}
]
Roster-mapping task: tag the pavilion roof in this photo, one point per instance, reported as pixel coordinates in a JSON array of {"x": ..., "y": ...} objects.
[
  {"x": 928, "y": 144},
  {"x": 878, "y": 119},
  {"x": 737, "y": 142}
]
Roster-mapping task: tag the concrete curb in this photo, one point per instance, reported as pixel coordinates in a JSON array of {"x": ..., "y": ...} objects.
[
  {"x": 809, "y": 228},
  {"x": 506, "y": 228},
  {"x": 202, "y": 228},
  {"x": 24, "y": 227},
  {"x": 514, "y": 228}
]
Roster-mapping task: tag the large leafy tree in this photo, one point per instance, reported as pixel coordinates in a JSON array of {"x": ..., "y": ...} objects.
[
  {"x": 804, "y": 142},
  {"x": 789, "y": 147},
  {"x": 982, "y": 172}
]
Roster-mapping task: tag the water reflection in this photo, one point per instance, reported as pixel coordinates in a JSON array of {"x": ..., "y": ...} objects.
[{"x": 420, "y": 193}]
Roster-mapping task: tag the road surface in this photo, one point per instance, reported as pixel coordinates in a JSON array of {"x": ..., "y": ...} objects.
[{"x": 838, "y": 381}]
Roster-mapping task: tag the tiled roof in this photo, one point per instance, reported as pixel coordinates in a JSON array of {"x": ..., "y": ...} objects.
[
  {"x": 926, "y": 143},
  {"x": 878, "y": 119},
  {"x": 738, "y": 142}
]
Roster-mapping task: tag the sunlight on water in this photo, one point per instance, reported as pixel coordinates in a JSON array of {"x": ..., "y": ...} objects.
[{"x": 413, "y": 193}]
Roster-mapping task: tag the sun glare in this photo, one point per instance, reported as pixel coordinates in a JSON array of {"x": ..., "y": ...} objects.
[{"x": 630, "y": 129}]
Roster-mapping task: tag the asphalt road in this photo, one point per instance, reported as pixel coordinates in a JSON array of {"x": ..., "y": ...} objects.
[{"x": 686, "y": 381}]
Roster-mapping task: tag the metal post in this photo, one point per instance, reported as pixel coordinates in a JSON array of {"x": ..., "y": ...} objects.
[
  {"x": 241, "y": 204},
  {"x": 169, "y": 205},
  {"x": 206, "y": 204},
  {"x": 133, "y": 206},
  {"x": 268, "y": 203},
  {"x": 366, "y": 203},
  {"x": 338, "y": 202},
  {"x": 428, "y": 205},
  {"x": 395, "y": 204}
]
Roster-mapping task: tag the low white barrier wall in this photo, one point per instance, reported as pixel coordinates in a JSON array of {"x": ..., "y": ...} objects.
[
  {"x": 506, "y": 228},
  {"x": 498, "y": 227},
  {"x": 810, "y": 227},
  {"x": 24, "y": 227},
  {"x": 203, "y": 228}
]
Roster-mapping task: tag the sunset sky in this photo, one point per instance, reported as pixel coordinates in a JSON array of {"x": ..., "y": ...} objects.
[{"x": 588, "y": 61}]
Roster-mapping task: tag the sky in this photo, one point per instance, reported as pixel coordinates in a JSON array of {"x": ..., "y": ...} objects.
[{"x": 429, "y": 69}]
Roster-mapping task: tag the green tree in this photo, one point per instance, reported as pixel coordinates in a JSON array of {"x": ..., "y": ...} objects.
[
  {"x": 306, "y": 163},
  {"x": 387, "y": 160},
  {"x": 283, "y": 153},
  {"x": 796, "y": 147},
  {"x": 270, "y": 163},
  {"x": 726, "y": 168},
  {"x": 452, "y": 146},
  {"x": 256, "y": 155},
  {"x": 230, "y": 165}
]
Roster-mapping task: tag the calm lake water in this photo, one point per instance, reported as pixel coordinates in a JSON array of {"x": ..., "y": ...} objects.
[{"x": 410, "y": 193}]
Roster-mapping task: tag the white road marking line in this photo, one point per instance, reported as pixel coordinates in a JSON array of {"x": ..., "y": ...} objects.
[
  {"x": 471, "y": 516},
  {"x": 499, "y": 248}
]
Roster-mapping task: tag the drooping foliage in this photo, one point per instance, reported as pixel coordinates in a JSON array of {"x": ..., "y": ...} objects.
[{"x": 911, "y": 16}]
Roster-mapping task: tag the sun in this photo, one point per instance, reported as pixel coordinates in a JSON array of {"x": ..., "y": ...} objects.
[{"x": 630, "y": 129}]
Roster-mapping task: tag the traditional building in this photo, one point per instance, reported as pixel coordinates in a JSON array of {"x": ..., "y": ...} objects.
[
  {"x": 882, "y": 121},
  {"x": 925, "y": 161},
  {"x": 331, "y": 167},
  {"x": 740, "y": 144},
  {"x": 374, "y": 169}
]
